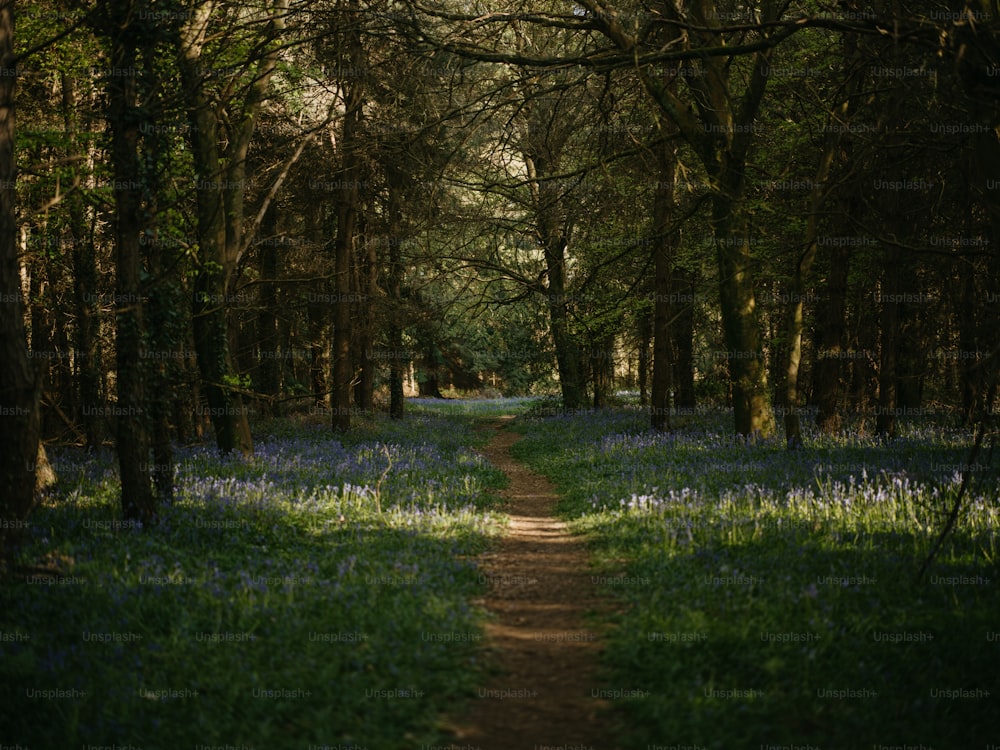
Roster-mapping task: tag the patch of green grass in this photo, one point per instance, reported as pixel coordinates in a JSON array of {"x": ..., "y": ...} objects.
[
  {"x": 317, "y": 593},
  {"x": 769, "y": 598}
]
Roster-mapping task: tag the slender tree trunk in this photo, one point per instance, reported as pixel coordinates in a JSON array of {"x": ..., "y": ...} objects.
[
  {"x": 645, "y": 336},
  {"x": 267, "y": 321},
  {"x": 343, "y": 371},
  {"x": 347, "y": 223},
  {"x": 912, "y": 352},
  {"x": 317, "y": 351},
  {"x": 885, "y": 421},
  {"x": 664, "y": 241},
  {"x": 397, "y": 358},
  {"x": 59, "y": 377},
  {"x": 20, "y": 386},
  {"x": 84, "y": 262},
  {"x": 138, "y": 502},
  {"x": 317, "y": 309},
  {"x": 865, "y": 344},
  {"x": 683, "y": 338},
  {"x": 830, "y": 337},
  {"x": 367, "y": 283},
  {"x": 541, "y": 150},
  {"x": 970, "y": 371},
  {"x": 41, "y": 349},
  {"x": 164, "y": 311}
]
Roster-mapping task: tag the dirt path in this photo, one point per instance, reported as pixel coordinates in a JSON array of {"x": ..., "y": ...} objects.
[{"x": 540, "y": 591}]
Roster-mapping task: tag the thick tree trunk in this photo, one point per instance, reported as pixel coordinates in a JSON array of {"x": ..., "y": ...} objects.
[
  {"x": 429, "y": 386},
  {"x": 603, "y": 368},
  {"x": 752, "y": 410},
  {"x": 554, "y": 243},
  {"x": 20, "y": 387},
  {"x": 567, "y": 350},
  {"x": 138, "y": 502}
]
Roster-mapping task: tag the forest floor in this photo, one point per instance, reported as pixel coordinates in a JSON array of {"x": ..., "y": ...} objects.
[{"x": 540, "y": 593}]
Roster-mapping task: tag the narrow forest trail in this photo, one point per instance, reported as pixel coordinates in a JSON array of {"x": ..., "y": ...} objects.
[{"x": 540, "y": 590}]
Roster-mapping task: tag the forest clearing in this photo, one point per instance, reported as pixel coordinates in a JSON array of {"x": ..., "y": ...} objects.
[{"x": 353, "y": 593}]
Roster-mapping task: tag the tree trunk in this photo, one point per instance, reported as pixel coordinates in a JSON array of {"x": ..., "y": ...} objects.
[
  {"x": 347, "y": 223},
  {"x": 40, "y": 343},
  {"x": 59, "y": 378},
  {"x": 567, "y": 351},
  {"x": 554, "y": 247},
  {"x": 663, "y": 259},
  {"x": 682, "y": 283},
  {"x": 20, "y": 386},
  {"x": 603, "y": 369},
  {"x": 752, "y": 410},
  {"x": 138, "y": 502},
  {"x": 367, "y": 285},
  {"x": 912, "y": 352},
  {"x": 316, "y": 312},
  {"x": 645, "y": 336},
  {"x": 829, "y": 342},
  {"x": 885, "y": 420},
  {"x": 430, "y": 385},
  {"x": 164, "y": 318},
  {"x": 84, "y": 264},
  {"x": 397, "y": 358},
  {"x": 317, "y": 309},
  {"x": 267, "y": 321},
  {"x": 865, "y": 345}
]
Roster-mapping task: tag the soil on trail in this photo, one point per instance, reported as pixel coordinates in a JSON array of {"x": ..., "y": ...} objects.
[{"x": 540, "y": 590}]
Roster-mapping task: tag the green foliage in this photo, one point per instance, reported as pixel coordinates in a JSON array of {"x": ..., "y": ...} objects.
[
  {"x": 273, "y": 606},
  {"x": 772, "y": 597}
]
